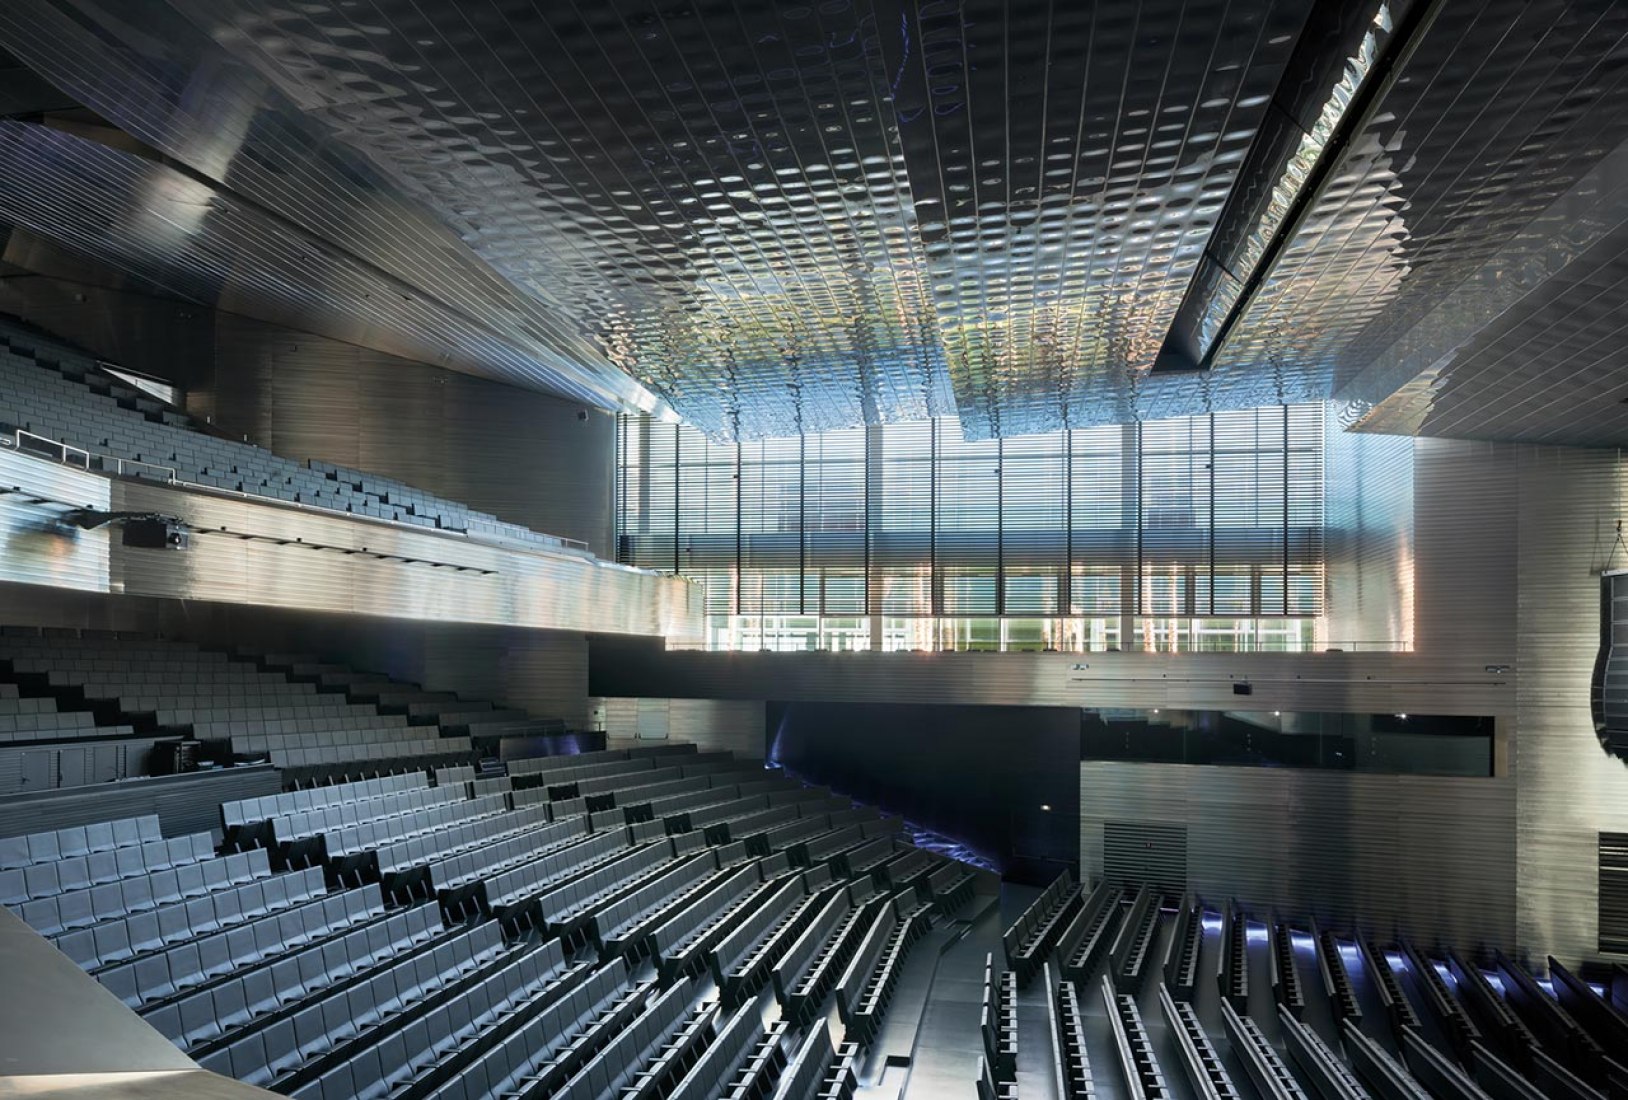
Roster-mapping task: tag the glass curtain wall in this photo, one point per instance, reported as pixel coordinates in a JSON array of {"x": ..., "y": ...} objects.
[{"x": 1201, "y": 533}]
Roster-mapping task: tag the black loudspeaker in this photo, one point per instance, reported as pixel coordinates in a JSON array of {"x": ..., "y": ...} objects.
[
  {"x": 154, "y": 534},
  {"x": 1243, "y": 689}
]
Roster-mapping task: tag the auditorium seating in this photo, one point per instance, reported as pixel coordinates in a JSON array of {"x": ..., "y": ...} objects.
[
  {"x": 1382, "y": 975},
  {"x": 96, "y": 686},
  {"x": 1261, "y": 1061},
  {"x": 1092, "y": 932},
  {"x": 447, "y": 939},
  {"x": 318, "y": 984},
  {"x": 1198, "y": 1055},
  {"x": 1072, "y": 1050},
  {"x": 1449, "y": 1014},
  {"x": 1232, "y": 975},
  {"x": 1286, "y": 987},
  {"x": 1029, "y": 942},
  {"x": 997, "y": 1022},
  {"x": 1336, "y": 979},
  {"x": 59, "y": 393},
  {"x": 1318, "y": 1062},
  {"x": 613, "y": 924},
  {"x": 1181, "y": 966},
  {"x": 1131, "y": 951},
  {"x": 1138, "y": 1065}
]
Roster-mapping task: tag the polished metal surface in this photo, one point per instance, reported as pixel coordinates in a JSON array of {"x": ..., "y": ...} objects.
[
  {"x": 1068, "y": 163},
  {"x": 1367, "y": 532},
  {"x": 1356, "y": 682},
  {"x": 1431, "y": 857},
  {"x": 1501, "y": 110},
  {"x": 1529, "y": 347},
  {"x": 50, "y": 1008},
  {"x": 194, "y": 239},
  {"x": 1570, "y": 790},
  {"x": 36, "y": 544},
  {"x": 778, "y": 218},
  {"x": 248, "y": 552}
]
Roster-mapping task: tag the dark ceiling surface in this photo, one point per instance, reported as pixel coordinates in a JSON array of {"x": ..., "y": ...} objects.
[{"x": 766, "y": 217}]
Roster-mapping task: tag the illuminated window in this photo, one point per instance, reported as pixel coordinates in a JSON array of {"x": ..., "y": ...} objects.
[{"x": 1199, "y": 531}]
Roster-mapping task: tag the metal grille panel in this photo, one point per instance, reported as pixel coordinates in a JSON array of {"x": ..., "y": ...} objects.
[{"x": 1145, "y": 851}]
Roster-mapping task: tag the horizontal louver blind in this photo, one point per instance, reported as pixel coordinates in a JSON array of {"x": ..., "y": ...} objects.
[{"x": 1207, "y": 516}]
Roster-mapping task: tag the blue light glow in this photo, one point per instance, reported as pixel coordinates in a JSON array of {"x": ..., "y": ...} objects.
[
  {"x": 1496, "y": 981},
  {"x": 1447, "y": 974},
  {"x": 1212, "y": 921},
  {"x": 1349, "y": 952},
  {"x": 1302, "y": 941},
  {"x": 1396, "y": 960},
  {"x": 1547, "y": 986},
  {"x": 1255, "y": 933}
]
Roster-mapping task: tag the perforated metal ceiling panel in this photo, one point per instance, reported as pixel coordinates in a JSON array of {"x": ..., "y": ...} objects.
[
  {"x": 777, "y": 217},
  {"x": 1500, "y": 111},
  {"x": 1068, "y": 162}
]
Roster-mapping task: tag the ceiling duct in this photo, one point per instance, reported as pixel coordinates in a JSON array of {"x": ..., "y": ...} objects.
[{"x": 1333, "y": 78}]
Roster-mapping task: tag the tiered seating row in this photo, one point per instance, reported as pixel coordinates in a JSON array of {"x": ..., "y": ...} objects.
[
  {"x": 157, "y": 975},
  {"x": 1198, "y": 1055},
  {"x": 1391, "y": 997},
  {"x": 1570, "y": 1042},
  {"x": 753, "y": 968},
  {"x": 142, "y": 893},
  {"x": 1232, "y": 974},
  {"x": 60, "y": 392},
  {"x": 1260, "y": 1058},
  {"x": 1033, "y": 936},
  {"x": 352, "y": 813},
  {"x": 1448, "y": 1013},
  {"x": 800, "y": 957},
  {"x": 271, "y": 979},
  {"x": 205, "y": 1014},
  {"x": 997, "y": 1022},
  {"x": 687, "y": 940},
  {"x": 872, "y": 1005},
  {"x": 249, "y": 811},
  {"x": 1129, "y": 956},
  {"x": 114, "y": 941},
  {"x": 1286, "y": 985},
  {"x": 42, "y": 880},
  {"x": 490, "y": 1052},
  {"x": 1181, "y": 965},
  {"x": 808, "y": 992},
  {"x": 474, "y": 832},
  {"x": 1137, "y": 1062},
  {"x": 1091, "y": 934},
  {"x": 1336, "y": 981},
  {"x": 1319, "y": 1064},
  {"x": 717, "y": 1068},
  {"x": 1383, "y": 1075},
  {"x": 1071, "y": 1046},
  {"x": 79, "y": 840}
]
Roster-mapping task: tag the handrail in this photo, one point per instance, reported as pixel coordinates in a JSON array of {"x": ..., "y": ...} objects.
[{"x": 65, "y": 451}]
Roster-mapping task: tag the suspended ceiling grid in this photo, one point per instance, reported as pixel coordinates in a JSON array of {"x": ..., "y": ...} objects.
[{"x": 777, "y": 216}]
